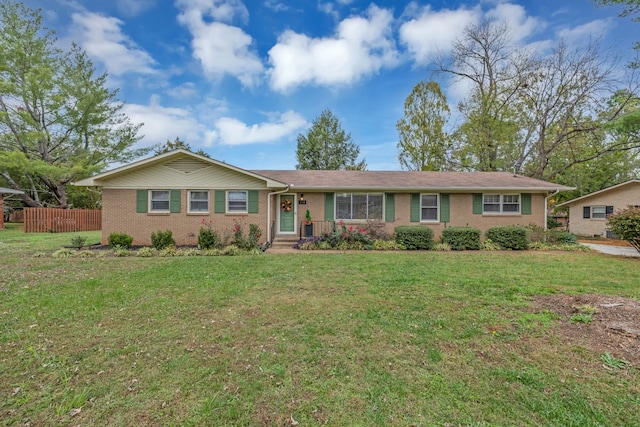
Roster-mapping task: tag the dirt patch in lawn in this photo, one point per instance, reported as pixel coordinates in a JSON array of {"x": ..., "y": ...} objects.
[{"x": 614, "y": 327}]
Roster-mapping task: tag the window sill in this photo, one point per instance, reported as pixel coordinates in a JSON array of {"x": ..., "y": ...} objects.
[
  {"x": 197, "y": 213},
  {"x": 502, "y": 214},
  {"x": 158, "y": 213}
]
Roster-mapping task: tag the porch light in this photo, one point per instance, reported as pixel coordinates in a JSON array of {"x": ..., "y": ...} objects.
[{"x": 301, "y": 197}]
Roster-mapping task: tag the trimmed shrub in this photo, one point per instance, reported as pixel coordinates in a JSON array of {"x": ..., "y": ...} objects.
[
  {"x": 119, "y": 240},
  {"x": 461, "y": 238},
  {"x": 162, "y": 239},
  {"x": 564, "y": 237},
  {"x": 509, "y": 237},
  {"x": 626, "y": 225},
  {"x": 414, "y": 237},
  {"x": 208, "y": 239}
]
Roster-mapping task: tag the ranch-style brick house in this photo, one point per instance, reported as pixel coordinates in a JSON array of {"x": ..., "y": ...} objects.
[
  {"x": 180, "y": 190},
  {"x": 588, "y": 214}
]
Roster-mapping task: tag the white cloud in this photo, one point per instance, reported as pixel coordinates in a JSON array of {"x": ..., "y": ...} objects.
[
  {"x": 163, "y": 123},
  {"x": 360, "y": 47},
  {"x": 185, "y": 90},
  {"x": 432, "y": 32},
  {"x": 220, "y": 48},
  {"x": 101, "y": 37},
  {"x": 521, "y": 26},
  {"x": 583, "y": 32},
  {"x": 218, "y": 10},
  {"x": 230, "y": 131}
]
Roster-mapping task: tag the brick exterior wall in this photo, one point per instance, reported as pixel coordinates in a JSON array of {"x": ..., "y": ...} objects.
[{"x": 119, "y": 215}]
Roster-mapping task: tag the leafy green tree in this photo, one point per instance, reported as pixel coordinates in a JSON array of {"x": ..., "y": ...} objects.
[
  {"x": 423, "y": 143},
  {"x": 327, "y": 146},
  {"x": 486, "y": 59},
  {"x": 177, "y": 144},
  {"x": 58, "y": 121},
  {"x": 540, "y": 115},
  {"x": 626, "y": 225}
]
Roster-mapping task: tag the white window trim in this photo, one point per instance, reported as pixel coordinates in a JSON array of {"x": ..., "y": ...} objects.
[
  {"x": 151, "y": 210},
  {"x": 437, "y": 207},
  {"x": 226, "y": 202},
  {"x": 604, "y": 208},
  {"x": 335, "y": 207},
  {"x": 208, "y": 201},
  {"x": 502, "y": 212}
]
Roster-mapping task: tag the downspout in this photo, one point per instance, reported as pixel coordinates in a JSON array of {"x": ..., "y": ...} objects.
[
  {"x": 546, "y": 208},
  {"x": 269, "y": 210}
]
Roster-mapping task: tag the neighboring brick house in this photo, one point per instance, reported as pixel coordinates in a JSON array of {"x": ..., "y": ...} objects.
[
  {"x": 179, "y": 189},
  {"x": 588, "y": 214},
  {"x": 4, "y": 191}
]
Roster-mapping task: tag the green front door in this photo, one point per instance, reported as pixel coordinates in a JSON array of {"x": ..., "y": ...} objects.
[{"x": 287, "y": 214}]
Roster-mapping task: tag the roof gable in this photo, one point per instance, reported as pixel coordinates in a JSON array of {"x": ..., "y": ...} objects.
[
  {"x": 601, "y": 192},
  {"x": 179, "y": 168}
]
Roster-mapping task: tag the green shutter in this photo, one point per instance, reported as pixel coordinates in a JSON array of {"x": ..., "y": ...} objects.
[
  {"x": 174, "y": 201},
  {"x": 525, "y": 209},
  {"x": 477, "y": 203},
  {"x": 444, "y": 208},
  {"x": 415, "y": 207},
  {"x": 220, "y": 199},
  {"x": 253, "y": 201},
  {"x": 390, "y": 207},
  {"x": 142, "y": 201},
  {"x": 329, "y": 214}
]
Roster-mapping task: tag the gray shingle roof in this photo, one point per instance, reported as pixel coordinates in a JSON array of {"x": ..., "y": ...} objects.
[{"x": 408, "y": 180}]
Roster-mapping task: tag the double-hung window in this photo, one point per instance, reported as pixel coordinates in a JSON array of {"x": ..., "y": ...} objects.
[
  {"x": 598, "y": 212},
  {"x": 159, "y": 200},
  {"x": 429, "y": 207},
  {"x": 359, "y": 206},
  {"x": 198, "y": 201},
  {"x": 501, "y": 203},
  {"x": 237, "y": 201}
]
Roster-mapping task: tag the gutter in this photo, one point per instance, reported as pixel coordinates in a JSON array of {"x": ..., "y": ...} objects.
[{"x": 269, "y": 210}]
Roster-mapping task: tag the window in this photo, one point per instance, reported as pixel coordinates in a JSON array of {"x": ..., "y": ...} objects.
[
  {"x": 237, "y": 201},
  {"x": 598, "y": 212},
  {"x": 429, "y": 207},
  {"x": 199, "y": 201},
  {"x": 159, "y": 201},
  {"x": 358, "y": 206},
  {"x": 501, "y": 203}
]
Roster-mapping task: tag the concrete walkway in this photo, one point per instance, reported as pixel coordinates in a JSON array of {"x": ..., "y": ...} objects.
[{"x": 614, "y": 250}]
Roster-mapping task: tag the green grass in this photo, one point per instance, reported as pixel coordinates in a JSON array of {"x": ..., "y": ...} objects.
[{"x": 358, "y": 339}]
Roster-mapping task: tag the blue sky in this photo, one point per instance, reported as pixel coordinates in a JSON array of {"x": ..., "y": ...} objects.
[{"x": 241, "y": 79}]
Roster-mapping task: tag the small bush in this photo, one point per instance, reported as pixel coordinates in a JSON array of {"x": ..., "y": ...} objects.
[
  {"x": 414, "y": 237},
  {"x": 461, "y": 238},
  {"x": 120, "y": 251},
  {"x": 168, "y": 251},
  {"x": 387, "y": 245},
  {"x": 509, "y": 237},
  {"x": 63, "y": 253},
  {"x": 231, "y": 250},
  {"x": 489, "y": 245},
  {"x": 626, "y": 225},
  {"x": 209, "y": 239},
  {"x": 564, "y": 237},
  {"x": 79, "y": 242},
  {"x": 187, "y": 252},
  {"x": 162, "y": 239},
  {"x": 444, "y": 247},
  {"x": 122, "y": 240},
  {"x": 147, "y": 252}
]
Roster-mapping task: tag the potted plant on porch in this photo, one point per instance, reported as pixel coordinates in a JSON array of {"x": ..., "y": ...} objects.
[{"x": 308, "y": 225}]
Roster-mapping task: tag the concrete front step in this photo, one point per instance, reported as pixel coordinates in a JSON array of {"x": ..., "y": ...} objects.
[{"x": 286, "y": 241}]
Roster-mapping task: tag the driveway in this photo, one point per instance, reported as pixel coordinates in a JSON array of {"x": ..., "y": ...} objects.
[{"x": 613, "y": 250}]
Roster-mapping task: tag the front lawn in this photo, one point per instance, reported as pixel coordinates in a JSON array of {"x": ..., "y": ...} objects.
[{"x": 358, "y": 339}]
